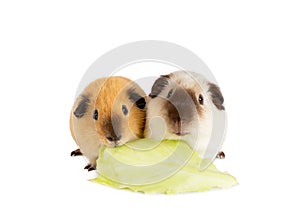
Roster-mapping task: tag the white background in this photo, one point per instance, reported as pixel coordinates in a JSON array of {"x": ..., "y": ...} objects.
[{"x": 253, "y": 49}]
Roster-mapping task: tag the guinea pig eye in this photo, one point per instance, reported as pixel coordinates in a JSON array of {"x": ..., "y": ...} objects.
[
  {"x": 95, "y": 115},
  {"x": 170, "y": 93},
  {"x": 124, "y": 110},
  {"x": 200, "y": 99}
]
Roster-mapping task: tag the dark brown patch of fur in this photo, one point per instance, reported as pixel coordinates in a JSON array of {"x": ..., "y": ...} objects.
[
  {"x": 82, "y": 106},
  {"x": 136, "y": 98},
  {"x": 216, "y": 96},
  {"x": 110, "y": 126},
  {"x": 159, "y": 85},
  {"x": 180, "y": 107}
]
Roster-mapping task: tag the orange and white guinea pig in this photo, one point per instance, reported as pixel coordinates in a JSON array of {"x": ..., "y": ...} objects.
[
  {"x": 110, "y": 111},
  {"x": 181, "y": 106}
]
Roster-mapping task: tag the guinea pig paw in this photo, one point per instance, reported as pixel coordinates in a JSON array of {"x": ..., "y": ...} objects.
[
  {"x": 89, "y": 167},
  {"x": 221, "y": 155},
  {"x": 76, "y": 152}
]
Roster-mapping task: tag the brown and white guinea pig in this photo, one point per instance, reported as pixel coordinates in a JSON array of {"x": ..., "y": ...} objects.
[
  {"x": 110, "y": 111},
  {"x": 181, "y": 106}
]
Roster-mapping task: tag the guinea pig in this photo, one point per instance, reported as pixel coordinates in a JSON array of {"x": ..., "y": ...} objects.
[
  {"x": 110, "y": 111},
  {"x": 181, "y": 106}
]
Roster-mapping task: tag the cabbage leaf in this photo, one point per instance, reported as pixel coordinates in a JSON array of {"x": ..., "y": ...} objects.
[{"x": 166, "y": 167}]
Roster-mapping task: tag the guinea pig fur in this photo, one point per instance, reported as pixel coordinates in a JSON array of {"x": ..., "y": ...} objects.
[
  {"x": 110, "y": 111},
  {"x": 181, "y": 106}
]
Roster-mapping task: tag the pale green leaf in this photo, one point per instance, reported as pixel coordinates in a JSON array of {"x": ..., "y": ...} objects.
[{"x": 166, "y": 167}]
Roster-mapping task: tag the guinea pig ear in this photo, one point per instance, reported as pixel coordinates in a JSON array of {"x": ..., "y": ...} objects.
[
  {"x": 141, "y": 103},
  {"x": 216, "y": 96},
  {"x": 137, "y": 99},
  {"x": 159, "y": 85},
  {"x": 82, "y": 106}
]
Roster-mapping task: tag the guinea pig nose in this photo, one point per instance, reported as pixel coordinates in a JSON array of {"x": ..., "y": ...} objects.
[
  {"x": 113, "y": 138},
  {"x": 109, "y": 138}
]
